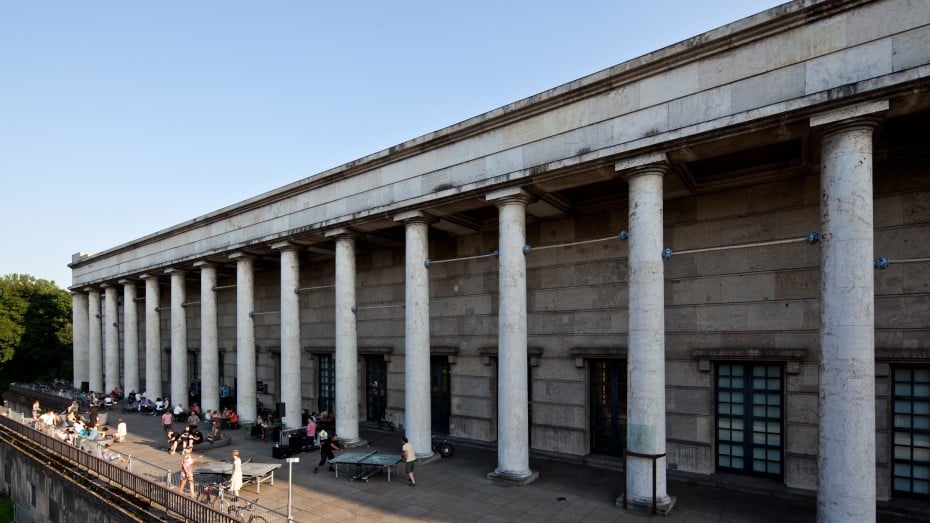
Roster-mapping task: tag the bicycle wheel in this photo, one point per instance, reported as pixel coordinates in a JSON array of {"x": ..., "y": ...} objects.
[
  {"x": 446, "y": 450},
  {"x": 257, "y": 519}
]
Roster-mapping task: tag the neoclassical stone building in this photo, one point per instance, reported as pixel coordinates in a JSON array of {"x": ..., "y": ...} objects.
[{"x": 675, "y": 256}]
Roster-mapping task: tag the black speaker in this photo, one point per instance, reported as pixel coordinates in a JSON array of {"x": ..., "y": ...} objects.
[
  {"x": 85, "y": 387},
  {"x": 296, "y": 443},
  {"x": 279, "y": 410},
  {"x": 280, "y": 452}
]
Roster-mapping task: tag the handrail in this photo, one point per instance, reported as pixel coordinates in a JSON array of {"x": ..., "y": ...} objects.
[
  {"x": 161, "y": 495},
  {"x": 654, "y": 457}
]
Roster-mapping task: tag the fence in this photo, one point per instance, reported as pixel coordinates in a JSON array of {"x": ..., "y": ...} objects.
[{"x": 144, "y": 479}]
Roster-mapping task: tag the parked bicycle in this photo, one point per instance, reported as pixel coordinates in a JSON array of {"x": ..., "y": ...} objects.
[
  {"x": 244, "y": 511},
  {"x": 442, "y": 445}
]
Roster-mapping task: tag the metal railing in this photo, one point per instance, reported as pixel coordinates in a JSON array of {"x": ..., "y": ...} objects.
[
  {"x": 626, "y": 465},
  {"x": 146, "y": 480}
]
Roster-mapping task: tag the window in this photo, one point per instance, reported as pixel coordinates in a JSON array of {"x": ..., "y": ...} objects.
[
  {"x": 750, "y": 418},
  {"x": 327, "y": 382},
  {"x": 911, "y": 431}
]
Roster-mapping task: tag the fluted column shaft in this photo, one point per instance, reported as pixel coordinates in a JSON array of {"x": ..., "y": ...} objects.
[
  {"x": 346, "y": 342},
  {"x": 247, "y": 397},
  {"x": 512, "y": 398},
  {"x": 646, "y": 358},
  {"x": 846, "y": 455},
  {"x": 130, "y": 337},
  {"x": 180, "y": 393},
  {"x": 417, "y": 411},
  {"x": 152, "y": 337},
  {"x": 95, "y": 341},
  {"x": 80, "y": 347},
  {"x": 209, "y": 346},
  {"x": 290, "y": 334},
  {"x": 111, "y": 345}
]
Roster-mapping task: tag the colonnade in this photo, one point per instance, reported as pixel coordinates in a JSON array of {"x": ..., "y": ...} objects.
[{"x": 846, "y": 454}]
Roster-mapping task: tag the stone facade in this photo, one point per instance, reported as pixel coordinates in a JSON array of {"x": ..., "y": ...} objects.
[{"x": 740, "y": 119}]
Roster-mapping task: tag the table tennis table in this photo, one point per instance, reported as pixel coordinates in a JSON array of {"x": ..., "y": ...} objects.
[
  {"x": 257, "y": 473},
  {"x": 366, "y": 464}
]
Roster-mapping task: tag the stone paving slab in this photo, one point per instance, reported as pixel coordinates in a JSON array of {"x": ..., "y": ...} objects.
[{"x": 456, "y": 489}]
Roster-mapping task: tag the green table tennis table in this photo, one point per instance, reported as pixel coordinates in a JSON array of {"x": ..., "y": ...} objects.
[{"x": 366, "y": 464}]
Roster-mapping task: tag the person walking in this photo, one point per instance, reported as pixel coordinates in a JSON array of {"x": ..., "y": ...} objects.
[
  {"x": 410, "y": 461},
  {"x": 166, "y": 420},
  {"x": 327, "y": 448},
  {"x": 187, "y": 471},
  {"x": 311, "y": 431},
  {"x": 235, "y": 482}
]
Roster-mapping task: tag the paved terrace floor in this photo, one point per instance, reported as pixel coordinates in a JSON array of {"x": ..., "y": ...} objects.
[{"x": 456, "y": 489}]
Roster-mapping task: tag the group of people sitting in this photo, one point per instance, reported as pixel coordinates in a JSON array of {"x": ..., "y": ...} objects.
[
  {"x": 186, "y": 439},
  {"x": 141, "y": 403},
  {"x": 191, "y": 435},
  {"x": 74, "y": 428}
]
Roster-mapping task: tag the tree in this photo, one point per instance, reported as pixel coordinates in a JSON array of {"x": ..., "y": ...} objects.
[{"x": 35, "y": 330}]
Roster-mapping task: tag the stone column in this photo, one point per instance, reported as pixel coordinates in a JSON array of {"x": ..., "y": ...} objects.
[
  {"x": 846, "y": 454},
  {"x": 417, "y": 412},
  {"x": 130, "y": 337},
  {"x": 95, "y": 341},
  {"x": 80, "y": 347},
  {"x": 513, "y": 458},
  {"x": 346, "y": 339},
  {"x": 111, "y": 345},
  {"x": 152, "y": 337},
  {"x": 290, "y": 333},
  {"x": 646, "y": 344},
  {"x": 209, "y": 346},
  {"x": 246, "y": 393},
  {"x": 180, "y": 388}
]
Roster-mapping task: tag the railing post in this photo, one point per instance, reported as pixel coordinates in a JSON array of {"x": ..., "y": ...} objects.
[{"x": 655, "y": 466}]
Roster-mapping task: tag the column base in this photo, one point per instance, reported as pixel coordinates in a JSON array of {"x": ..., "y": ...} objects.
[
  {"x": 513, "y": 479},
  {"x": 428, "y": 458},
  {"x": 353, "y": 443},
  {"x": 663, "y": 507}
]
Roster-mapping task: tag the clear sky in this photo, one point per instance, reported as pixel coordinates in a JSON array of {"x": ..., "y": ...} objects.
[{"x": 122, "y": 118}]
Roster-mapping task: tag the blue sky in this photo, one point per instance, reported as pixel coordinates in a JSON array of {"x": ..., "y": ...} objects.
[{"x": 120, "y": 119}]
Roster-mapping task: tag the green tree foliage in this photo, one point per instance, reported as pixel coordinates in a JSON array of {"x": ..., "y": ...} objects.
[{"x": 35, "y": 330}]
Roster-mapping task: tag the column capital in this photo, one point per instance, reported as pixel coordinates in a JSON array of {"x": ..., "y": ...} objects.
[
  {"x": 241, "y": 255},
  {"x": 855, "y": 114},
  {"x": 413, "y": 217},
  {"x": 126, "y": 281},
  {"x": 652, "y": 163},
  {"x": 174, "y": 270},
  {"x": 341, "y": 232},
  {"x": 285, "y": 245},
  {"x": 149, "y": 276},
  {"x": 508, "y": 195},
  {"x": 204, "y": 264}
]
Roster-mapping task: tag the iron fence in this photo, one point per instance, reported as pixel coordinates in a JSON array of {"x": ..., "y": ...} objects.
[{"x": 156, "y": 484}]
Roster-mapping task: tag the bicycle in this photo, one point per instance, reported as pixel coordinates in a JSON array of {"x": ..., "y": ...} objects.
[
  {"x": 241, "y": 511},
  {"x": 442, "y": 445},
  {"x": 216, "y": 493}
]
